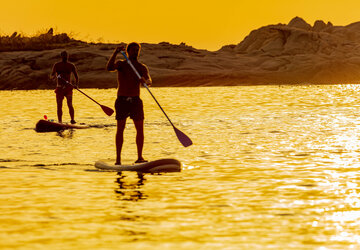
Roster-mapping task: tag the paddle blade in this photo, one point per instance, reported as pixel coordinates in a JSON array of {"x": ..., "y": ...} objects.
[
  {"x": 184, "y": 139},
  {"x": 107, "y": 110}
]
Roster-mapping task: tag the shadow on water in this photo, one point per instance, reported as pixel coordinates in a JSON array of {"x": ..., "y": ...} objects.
[
  {"x": 67, "y": 134},
  {"x": 130, "y": 189},
  {"x": 102, "y": 125}
]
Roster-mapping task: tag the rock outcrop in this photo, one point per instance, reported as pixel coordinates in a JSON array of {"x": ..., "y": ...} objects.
[{"x": 292, "y": 53}]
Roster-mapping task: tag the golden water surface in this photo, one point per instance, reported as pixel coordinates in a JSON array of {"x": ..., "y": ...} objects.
[{"x": 271, "y": 167}]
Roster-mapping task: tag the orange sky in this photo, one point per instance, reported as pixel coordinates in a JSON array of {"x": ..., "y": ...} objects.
[{"x": 199, "y": 23}]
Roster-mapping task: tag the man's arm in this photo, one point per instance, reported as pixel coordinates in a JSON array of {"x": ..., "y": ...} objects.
[
  {"x": 111, "y": 65},
  {"x": 146, "y": 77},
  {"x": 147, "y": 81}
]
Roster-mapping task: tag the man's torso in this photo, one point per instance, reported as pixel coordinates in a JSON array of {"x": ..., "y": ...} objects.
[
  {"x": 63, "y": 70},
  {"x": 128, "y": 82}
]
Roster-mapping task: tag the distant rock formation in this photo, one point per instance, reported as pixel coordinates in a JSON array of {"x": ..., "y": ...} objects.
[
  {"x": 50, "y": 31},
  {"x": 293, "y": 53},
  {"x": 321, "y": 53},
  {"x": 13, "y": 35},
  {"x": 298, "y": 37},
  {"x": 299, "y": 23}
]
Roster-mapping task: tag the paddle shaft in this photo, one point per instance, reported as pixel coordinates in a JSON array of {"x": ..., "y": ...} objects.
[
  {"x": 158, "y": 104},
  {"x": 78, "y": 89},
  {"x": 145, "y": 85}
]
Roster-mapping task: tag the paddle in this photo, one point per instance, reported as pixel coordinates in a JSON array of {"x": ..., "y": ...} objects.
[
  {"x": 184, "y": 139},
  {"x": 107, "y": 110}
]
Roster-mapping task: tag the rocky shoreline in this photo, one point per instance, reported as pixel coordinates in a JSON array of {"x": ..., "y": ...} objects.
[{"x": 293, "y": 53}]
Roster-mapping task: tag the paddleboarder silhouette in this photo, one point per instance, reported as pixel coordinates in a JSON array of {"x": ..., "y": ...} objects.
[
  {"x": 128, "y": 102},
  {"x": 62, "y": 71}
]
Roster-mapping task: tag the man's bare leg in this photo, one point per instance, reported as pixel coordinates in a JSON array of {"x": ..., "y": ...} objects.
[
  {"x": 139, "y": 125},
  {"x": 59, "y": 102},
  {"x": 119, "y": 139},
  {"x": 71, "y": 108}
]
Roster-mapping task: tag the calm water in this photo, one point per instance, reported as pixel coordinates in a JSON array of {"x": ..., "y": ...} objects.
[{"x": 271, "y": 167}]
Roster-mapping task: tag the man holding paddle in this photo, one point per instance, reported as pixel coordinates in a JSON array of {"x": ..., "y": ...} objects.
[
  {"x": 62, "y": 72},
  {"x": 128, "y": 102}
]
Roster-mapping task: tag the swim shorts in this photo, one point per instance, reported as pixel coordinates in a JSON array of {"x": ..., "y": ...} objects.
[
  {"x": 126, "y": 106},
  {"x": 62, "y": 92}
]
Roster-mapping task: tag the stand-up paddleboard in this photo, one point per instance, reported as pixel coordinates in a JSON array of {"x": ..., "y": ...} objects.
[
  {"x": 48, "y": 126},
  {"x": 162, "y": 165}
]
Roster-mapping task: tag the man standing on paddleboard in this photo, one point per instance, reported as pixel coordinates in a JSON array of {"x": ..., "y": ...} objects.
[
  {"x": 62, "y": 72},
  {"x": 128, "y": 102}
]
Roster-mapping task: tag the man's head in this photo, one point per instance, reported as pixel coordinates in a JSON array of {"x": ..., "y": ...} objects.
[
  {"x": 133, "y": 50},
  {"x": 64, "y": 56}
]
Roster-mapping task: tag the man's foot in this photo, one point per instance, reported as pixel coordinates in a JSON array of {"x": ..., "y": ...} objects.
[
  {"x": 117, "y": 163},
  {"x": 141, "y": 160},
  {"x": 72, "y": 121}
]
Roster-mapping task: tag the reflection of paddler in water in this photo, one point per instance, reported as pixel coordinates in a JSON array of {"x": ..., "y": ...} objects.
[
  {"x": 129, "y": 190},
  {"x": 128, "y": 102},
  {"x": 62, "y": 72}
]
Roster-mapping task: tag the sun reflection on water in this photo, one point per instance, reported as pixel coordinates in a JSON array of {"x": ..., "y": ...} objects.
[{"x": 270, "y": 167}]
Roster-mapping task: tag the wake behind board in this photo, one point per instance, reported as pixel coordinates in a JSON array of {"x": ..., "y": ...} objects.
[
  {"x": 48, "y": 126},
  {"x": 157, "y": 166}
]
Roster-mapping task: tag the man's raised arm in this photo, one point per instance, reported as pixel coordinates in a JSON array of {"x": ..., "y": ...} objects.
[{"x": 111, "y": 65}]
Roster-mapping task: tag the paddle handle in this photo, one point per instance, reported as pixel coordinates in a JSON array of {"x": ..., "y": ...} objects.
[{"x": 145, "y": 85}]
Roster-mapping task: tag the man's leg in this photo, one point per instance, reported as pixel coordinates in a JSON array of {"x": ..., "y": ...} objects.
[
  {"x": 59, "y": 101},
  {"x": 139, "y": 125},
  {"x": 119, "y": 139},
  {"x": 71, "y": 108}
]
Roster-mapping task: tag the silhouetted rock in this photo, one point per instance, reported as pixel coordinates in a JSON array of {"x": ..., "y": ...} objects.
[
  {"x": 299, "y": 23},
  {"x": 319, "y": 25},
  {"x": 275, "y": 54},
  {"x": 51, "y": 31},
  {"x": 13, "y": 35}
]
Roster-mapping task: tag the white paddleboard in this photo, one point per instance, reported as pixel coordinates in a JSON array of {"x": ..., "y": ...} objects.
[{"x": 157, "y": 166}]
